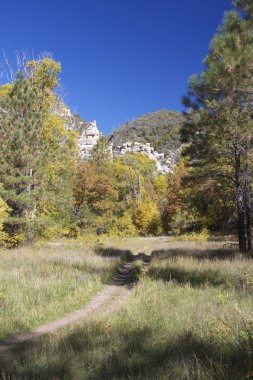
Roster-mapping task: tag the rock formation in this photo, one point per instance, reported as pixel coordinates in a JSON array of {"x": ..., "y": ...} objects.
[
  {"x": 164, "y": 164},
  {"x": 89, "y": 134},
  {"x": 88, "y": 138}
]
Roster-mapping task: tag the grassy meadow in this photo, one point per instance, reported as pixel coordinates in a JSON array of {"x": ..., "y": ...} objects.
[
  {"x": 41, "y": 284},
  {"x": 189, "y": 317}
]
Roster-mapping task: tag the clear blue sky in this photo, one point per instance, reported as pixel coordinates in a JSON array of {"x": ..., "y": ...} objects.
[{"x": 120, "y": 58}]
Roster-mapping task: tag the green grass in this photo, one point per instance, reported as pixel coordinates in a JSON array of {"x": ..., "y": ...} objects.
[
  {"x": 136, "y": 270},
  {"x": 38, "y": 285},
  {"x": 189, "y": 317}
]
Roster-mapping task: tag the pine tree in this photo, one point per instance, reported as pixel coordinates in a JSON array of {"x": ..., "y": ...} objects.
[
  {"x": 222, "y": 96},
  {"x": 55, "y": 206},
  {"x": 20, "y": 146}
]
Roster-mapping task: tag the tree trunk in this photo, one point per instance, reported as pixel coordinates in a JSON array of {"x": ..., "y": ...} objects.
[
  {"x": 247, "y": 198},
  {"x": 240, "y": 209}
]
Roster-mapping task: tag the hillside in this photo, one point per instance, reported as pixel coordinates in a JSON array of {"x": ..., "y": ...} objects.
[
  {"x": 157, "y": 135},
  {"x": 74, "y": 121},
  {"x": 160, "y": 129}
]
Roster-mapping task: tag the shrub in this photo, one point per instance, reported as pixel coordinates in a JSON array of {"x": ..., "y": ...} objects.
[
  {"x": 194, "y": 236},
  {"x": 183, "y": 221},
  {"x": 4, "y": 213},
  {"x": 124, "y": 226}
]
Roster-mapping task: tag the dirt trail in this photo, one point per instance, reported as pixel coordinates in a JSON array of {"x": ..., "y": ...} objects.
[{"x": 111, "y": 297}]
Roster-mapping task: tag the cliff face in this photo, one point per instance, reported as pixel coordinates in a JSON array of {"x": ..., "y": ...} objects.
[
  {"x": 156, "y": 135},
  {"x": 165, "y": 164},
  {"x": 88, "y": 138},
  {"x": 73, "y": 121},
  {"x": 88, "y": 131}
]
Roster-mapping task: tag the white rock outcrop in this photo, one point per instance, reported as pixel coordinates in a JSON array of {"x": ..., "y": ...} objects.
[
  {"x": 164, "y": 164},
  {"x": 90, "y": 134},
  {"x": 88, "y": 138}
]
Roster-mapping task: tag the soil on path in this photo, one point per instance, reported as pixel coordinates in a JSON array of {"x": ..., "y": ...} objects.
[{"x": 110, "y": 298}]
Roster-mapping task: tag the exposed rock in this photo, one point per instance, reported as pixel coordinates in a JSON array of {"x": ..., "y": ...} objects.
[
  {"x": 88, "y": 131},
  {"x": 164, "y": 164},
  {"x": 89, "y": 135},
  {"x": 88, "y": 139},
  {"x": 73, "y": 121}
]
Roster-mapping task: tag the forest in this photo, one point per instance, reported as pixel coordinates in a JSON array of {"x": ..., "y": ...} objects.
[
  {"x": 159, "y": 265},
  {"x": 48, "y": 192}
]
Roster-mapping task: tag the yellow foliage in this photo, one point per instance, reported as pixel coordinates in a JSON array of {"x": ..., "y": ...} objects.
[
  {"x": 4, "y": 213},
  {"x": 71, "y": 232},
  {"x": 44, "y": 73},
  {"x": 161, "y": 184},
  {"x": 62, "y": 148},
  {"x": 43, "y": 78},
  {"x": 14, "y": 240},
  {"x": 223, "y": 298},
  {"x": 5, "y": 89},
  {"x": 200, "y": 237},
  {"x": 147, "y": 217},
  {"x": 133, "y": 172},
  {"x": 52, "y": 232},
  {"x": 124, "y": 226},
  {"x": 61, "y": 156}
]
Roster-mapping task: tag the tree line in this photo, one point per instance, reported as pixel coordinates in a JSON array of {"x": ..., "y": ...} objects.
[{"x": 46, "y": 191}]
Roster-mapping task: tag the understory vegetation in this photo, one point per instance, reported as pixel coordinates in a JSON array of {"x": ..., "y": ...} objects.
[{"x": 189, "y": 317}]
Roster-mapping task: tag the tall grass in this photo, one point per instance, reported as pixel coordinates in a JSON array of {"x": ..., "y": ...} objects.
[
  {"x": 38, "y": 285},
  {"x": 189, "y": 317}
]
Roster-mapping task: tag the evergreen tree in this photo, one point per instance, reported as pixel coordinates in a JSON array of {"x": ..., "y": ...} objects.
[
  {"x": 20, "y": 146},
  {"x": 55, "y": 205},
  {"x": 222, "y": 96}
]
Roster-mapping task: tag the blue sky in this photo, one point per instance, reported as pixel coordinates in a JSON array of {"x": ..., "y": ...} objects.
[{"x": 120, "y": 58}]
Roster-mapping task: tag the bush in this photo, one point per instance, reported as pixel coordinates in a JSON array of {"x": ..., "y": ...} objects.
[
  {"x": 124, "y": 226},
  {"x": 4, "y": 213},
  {"x": 200, "y": 237},
  {"x": 182, "y": 222},
  {"x": 14, "y": 240}
]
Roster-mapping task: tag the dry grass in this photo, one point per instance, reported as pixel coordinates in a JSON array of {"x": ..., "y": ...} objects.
[
  {"x": 190, "y": 317},
  {"x": 38, "y": 285}
]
